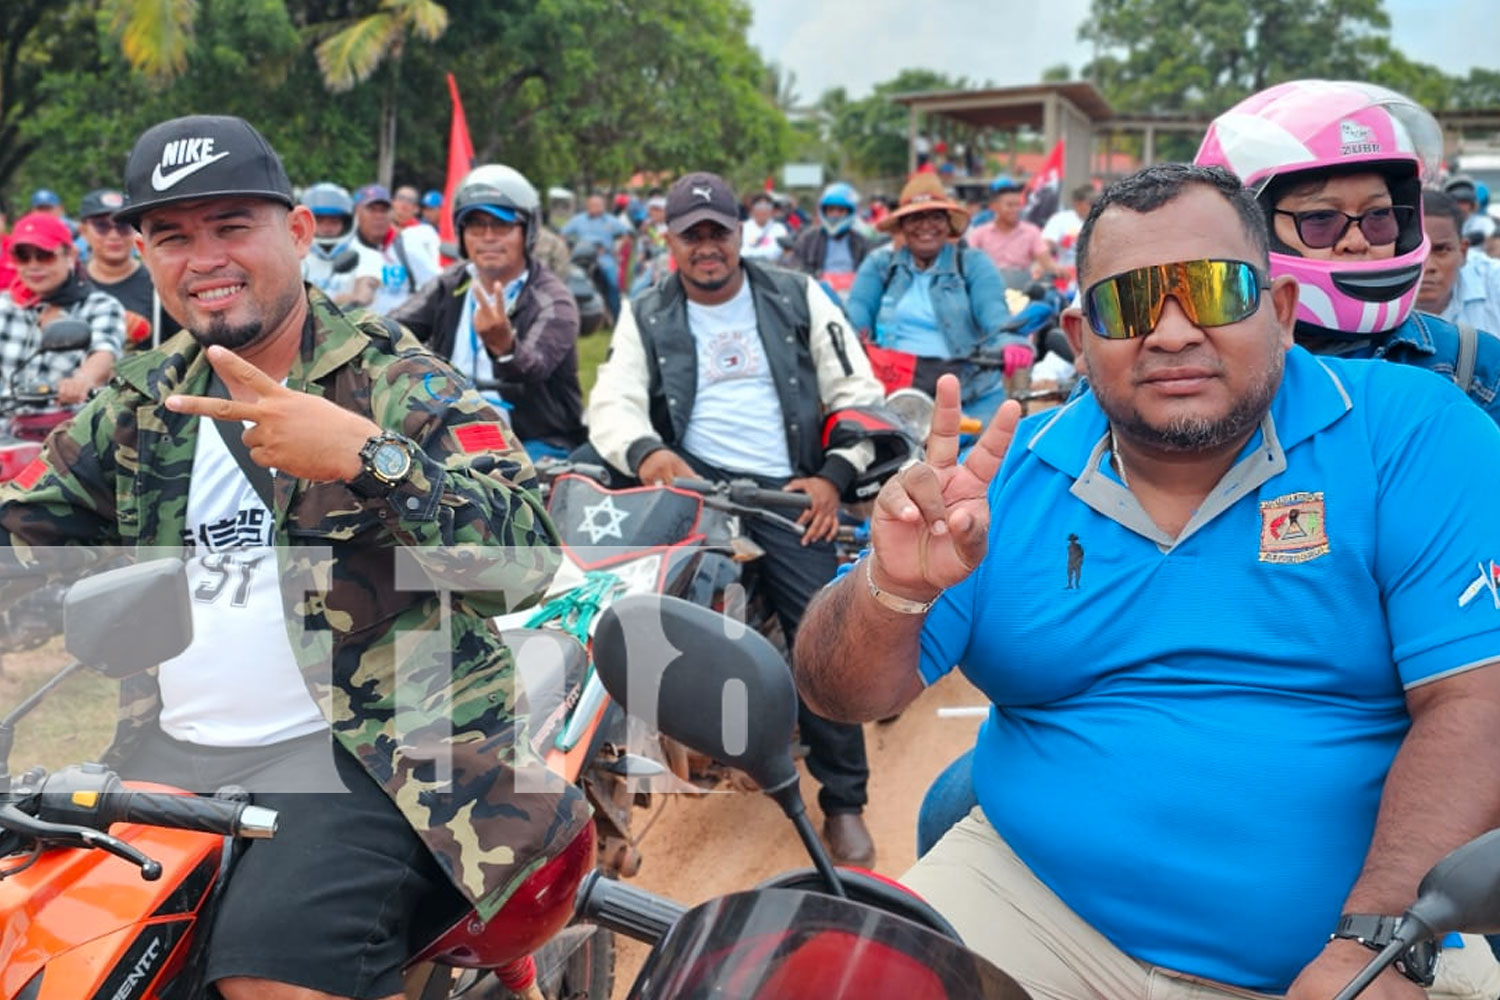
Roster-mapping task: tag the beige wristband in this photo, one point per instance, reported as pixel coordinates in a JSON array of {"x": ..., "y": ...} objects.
[{"x": 900, "y": 605}]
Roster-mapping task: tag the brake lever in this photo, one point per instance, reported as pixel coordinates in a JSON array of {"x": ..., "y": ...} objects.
[
  {"x": 720, "y": 502},
  {"x": 64, "y": 835}
]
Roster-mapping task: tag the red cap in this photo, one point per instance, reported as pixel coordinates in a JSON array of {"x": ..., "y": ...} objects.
[{"x": 38, "y": 229}]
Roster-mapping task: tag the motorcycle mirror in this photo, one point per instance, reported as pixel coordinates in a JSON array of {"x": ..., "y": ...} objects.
[
  {"x": 345, "y": 260},
  {"x": 66, "y": 334},
  {"x": 1462, "y": 891},
  {"x": 122, "y": 621},
  {"x": 729, "y": 696}
]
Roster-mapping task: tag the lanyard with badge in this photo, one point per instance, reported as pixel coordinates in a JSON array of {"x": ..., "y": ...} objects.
[{"x": 476, "y": 351}]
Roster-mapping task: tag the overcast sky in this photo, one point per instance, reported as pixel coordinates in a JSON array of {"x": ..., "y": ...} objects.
[{"x": 859, "y": 43}]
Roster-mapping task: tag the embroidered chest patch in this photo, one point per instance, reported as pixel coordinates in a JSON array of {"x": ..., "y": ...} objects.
[{"x": 1293, "y": 529}]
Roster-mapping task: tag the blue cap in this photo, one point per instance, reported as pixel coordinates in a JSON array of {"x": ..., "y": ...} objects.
[
  {"x": 432, "y": 199},
  {"x": 43, "y": 197},
  {"x": 1005, "y": 182},
  {"x": 371, "y": 192},
  {"x": 498, "y": 211}
]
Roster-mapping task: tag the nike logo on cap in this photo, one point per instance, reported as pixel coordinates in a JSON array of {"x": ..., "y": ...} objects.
[{"x": 192, "y": 155}]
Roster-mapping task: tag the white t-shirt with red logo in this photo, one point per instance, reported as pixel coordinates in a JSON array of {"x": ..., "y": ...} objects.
[{"x": 736, "y": 422}]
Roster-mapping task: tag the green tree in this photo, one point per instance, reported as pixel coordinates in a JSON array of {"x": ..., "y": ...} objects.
[
  {"x": 565, "y": 90},
  {"x": 872, "y": 131},
  {"x": 1182, "y": 55},
  {"x": 1480, "y": 89},
  {"x": 349, "y": 55}
]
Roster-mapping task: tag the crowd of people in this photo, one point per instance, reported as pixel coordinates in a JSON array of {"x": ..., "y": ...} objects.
[{"x": 1242, "y": 695}]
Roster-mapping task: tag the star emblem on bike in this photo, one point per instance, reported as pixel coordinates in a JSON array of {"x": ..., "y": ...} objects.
[{"x": 602, "y": 520}]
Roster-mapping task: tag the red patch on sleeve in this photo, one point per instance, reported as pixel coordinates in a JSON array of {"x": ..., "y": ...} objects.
[
  {"x": 480, "y": 437},
  {"x": 32, "y": 474}
]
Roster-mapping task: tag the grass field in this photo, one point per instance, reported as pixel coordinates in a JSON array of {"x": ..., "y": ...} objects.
[
  {"x": 74, "y": 723},
  {"x": 591, "y": 351}
]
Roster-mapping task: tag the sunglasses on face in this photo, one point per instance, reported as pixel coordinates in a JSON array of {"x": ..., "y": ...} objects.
[
  {"x": 484, "y": 223},
  {"x": 26, "y": 254},
  {"x": 936, "y": 217},
  {"x": 1210, "y": 292},
  {"x": 103, "y": 225},
  {"x": 1324, "y": 227}
]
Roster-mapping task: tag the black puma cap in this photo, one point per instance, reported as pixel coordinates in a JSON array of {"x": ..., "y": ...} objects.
[{"x": 201, "y": 156}]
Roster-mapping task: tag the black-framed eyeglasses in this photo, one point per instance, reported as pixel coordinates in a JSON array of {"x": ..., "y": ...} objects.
[
  {"x": 935, "y": 217},
  {"x": 1322, "y": 228}
]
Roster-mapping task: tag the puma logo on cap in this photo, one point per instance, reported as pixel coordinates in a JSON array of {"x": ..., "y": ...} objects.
[
  {"x": 704, "y": 193},
  {"x": 186, "y": 157}
]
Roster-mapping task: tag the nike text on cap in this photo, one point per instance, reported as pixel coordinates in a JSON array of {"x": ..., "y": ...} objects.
[
  {"x": 700, "y": 196},
  {"x": 201, "y": 156}
]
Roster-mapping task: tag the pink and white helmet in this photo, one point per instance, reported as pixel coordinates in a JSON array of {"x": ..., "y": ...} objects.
[{"x": 1309, "y": 127}]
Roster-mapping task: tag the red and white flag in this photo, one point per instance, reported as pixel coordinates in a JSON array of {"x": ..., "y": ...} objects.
[{"x": 1044, "y": 191}]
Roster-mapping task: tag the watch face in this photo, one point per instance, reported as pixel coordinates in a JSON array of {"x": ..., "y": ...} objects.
[{"x": 390, "y": 461}]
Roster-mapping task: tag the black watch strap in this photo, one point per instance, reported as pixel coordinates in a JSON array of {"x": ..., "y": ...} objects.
[{"x": 1376, "y": 930}]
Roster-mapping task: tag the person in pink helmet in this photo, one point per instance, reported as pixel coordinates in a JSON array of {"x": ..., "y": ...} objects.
[{"x": 1338, "y": 167}]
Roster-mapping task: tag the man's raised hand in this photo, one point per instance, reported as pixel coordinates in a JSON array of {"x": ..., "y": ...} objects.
[
  {"x": 931, "y": 522},
  {"x": 491, "y": 323},
  {"x": 302, "y": 435}
]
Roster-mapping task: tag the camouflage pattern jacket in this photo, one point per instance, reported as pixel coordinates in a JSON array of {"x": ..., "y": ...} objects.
[{"x": 437, "y": 728}]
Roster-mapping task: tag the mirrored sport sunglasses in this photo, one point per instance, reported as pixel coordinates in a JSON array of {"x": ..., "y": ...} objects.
[
  {"x": 1324, "y": 227},
  {"x": 25, "y": 254},
  {"x": 1210, "y": 292}
]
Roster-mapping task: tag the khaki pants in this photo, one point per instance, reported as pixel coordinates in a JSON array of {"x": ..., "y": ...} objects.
[{"x": 1007, "y": 915}]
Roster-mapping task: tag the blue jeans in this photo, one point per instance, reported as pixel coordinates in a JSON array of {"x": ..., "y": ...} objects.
[
  {"x": 537, "y": 448},
  {"x": 949, "y": 799}
]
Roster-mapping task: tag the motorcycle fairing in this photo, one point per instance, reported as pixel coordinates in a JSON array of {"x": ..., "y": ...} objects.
[
  {"x": 600, "y": 527},
  {"x": 89, "y": 918}
]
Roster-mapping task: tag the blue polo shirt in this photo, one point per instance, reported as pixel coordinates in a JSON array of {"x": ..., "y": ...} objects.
[{"x": 1188, "y": 746}]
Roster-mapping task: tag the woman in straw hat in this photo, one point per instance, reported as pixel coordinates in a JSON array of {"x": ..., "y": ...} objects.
[{"x": 924, "y": 307}]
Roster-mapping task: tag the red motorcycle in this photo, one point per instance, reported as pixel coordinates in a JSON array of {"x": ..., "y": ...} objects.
[
  {"x": 28, "y": 413},
  {"x": 107, "y": 887},
  {"x": 829, "y": 932}
]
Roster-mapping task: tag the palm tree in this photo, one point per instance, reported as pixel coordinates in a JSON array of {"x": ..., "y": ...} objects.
[
  {"x": 353, "y": 52},
  {"x": 156, "y": 35}
]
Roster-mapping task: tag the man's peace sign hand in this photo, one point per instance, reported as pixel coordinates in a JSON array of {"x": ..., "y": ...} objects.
[
  {"x": 931, "y": 522},
  {"x": 491, "y": 322},
  {"x": 305, "y": 436}
]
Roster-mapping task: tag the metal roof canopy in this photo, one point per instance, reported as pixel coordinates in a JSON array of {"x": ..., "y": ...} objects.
[
  {"x": 1067, "y": 111},
  {"x": 1009, "y": 107}
]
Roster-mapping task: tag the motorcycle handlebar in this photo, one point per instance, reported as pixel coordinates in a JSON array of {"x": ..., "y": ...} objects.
[
  {"x": 625, "y": 909},
  {"x": 189, "y": 812},
  {"x": 747, "y": 493}
]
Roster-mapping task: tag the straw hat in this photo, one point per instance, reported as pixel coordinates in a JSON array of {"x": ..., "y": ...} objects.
[{"x": 923, "y": 193}]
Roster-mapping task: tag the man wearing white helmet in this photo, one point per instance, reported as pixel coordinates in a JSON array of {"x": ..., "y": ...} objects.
[
  {"x": 1337, "y": 167},
  {"x": 337, "y": 264},
  {"x": 501, "y": 317}
]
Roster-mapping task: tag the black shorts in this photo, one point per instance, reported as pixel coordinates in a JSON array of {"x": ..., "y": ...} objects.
[{"x": 344, "y": 893}]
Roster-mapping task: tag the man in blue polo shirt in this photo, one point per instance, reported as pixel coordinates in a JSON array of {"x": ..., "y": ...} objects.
[{"x": 1239, "y": 615}]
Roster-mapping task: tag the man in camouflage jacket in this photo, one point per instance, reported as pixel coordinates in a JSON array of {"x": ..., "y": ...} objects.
[{"x": 436, "y": 729}]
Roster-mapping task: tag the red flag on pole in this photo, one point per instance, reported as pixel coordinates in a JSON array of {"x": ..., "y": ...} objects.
[
  {"x": 460, "y": 161},
  {"x": 1044, "y": 191}
]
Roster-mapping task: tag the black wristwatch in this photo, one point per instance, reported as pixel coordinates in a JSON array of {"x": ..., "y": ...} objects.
[
  {"x": 1417, "y": 963},
  {"x": 388, "y": 460}
]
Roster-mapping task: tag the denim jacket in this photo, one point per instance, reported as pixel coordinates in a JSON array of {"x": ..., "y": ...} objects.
[
  {"x": 969, "y": 302},
  {"x": 1428, "y": 342}
]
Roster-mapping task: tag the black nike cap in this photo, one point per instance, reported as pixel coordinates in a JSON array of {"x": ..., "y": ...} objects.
[{"x": 201, "y": 156}]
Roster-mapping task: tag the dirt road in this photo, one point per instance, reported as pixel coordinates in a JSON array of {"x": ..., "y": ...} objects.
[{"x": 707, "y": 846}]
